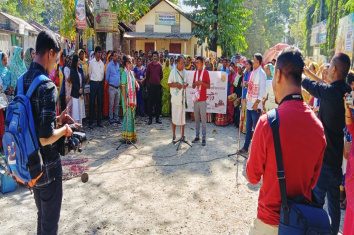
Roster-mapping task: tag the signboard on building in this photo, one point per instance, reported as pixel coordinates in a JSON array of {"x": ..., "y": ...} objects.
[
  {"x": 165, "y": 18},
  {"x": 216, "y": 95},
  {"x": 105, "y": 21},
  {"x": 80, "y": 14},
  {"x": 319, "y": 33},
  {"x": 101, "y": 4},
  {"x": 344, "y": 40}
]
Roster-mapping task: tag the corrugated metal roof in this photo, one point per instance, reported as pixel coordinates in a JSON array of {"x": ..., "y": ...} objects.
[
  {"x": 19, "y": 21},
  {"x": 180, "y": 36}
]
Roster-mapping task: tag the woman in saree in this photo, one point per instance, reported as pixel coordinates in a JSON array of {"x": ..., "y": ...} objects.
[
  {"x": 5, "y": 73},
  {"x": 17, "y": 66},
  {"x": 348, "y": 227},
  {"x": 105, "y": 90},
  {"x": 29, "y": 56},
  {"x": 166, "y": 95},
  {"x": 129, "y": 86},
  {"x": 139, "y": 72},
  {"x": 269, "y": 70}
]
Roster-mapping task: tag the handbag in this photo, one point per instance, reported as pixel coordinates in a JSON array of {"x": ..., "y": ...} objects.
[{"x": 298, "y": 215}]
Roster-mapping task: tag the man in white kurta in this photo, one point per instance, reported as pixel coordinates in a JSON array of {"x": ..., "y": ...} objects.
[{"x": 178, "y": 84}]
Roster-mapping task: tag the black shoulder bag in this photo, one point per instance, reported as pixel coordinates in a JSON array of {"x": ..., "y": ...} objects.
[{"x": 299, "y": 215}]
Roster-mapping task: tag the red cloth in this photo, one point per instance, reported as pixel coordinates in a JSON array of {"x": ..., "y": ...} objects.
[
  {"x": 154, "y": 74},
  {"x": 349, "y": 188},
  {"x": 303, "y": 143},
  {"x": 203, "y": 90}
]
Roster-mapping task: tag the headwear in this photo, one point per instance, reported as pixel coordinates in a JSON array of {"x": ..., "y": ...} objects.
[
  {"x": 187, "y": 67},
  {"x": 3, "y": 69},
  {"x": 28, "y": 58},
  {"x": 78, "y": 53},
  {"x": 92, "y": 54},
  {"x": 17, "y": 67},
  {"x": 271, "y": 68},
  {"x": 167, "y": 59}
]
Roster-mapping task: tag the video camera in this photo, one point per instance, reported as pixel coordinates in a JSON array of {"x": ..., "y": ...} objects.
[{"x": 73, "y": 143}]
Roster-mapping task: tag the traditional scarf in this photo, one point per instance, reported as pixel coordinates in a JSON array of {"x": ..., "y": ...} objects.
[
  {"x": 253, "y": 85},
  {"x": 17, "y": 67},
  {"x": 28, "y": 58},
  {"x": 198, "y": 88},
  {"x": 188, "y": 67},
  {"x": 131, "y": 90},
  {"x": 271, "y": 68},
  {"x": 236, "y": 79},
  {"x": 11, "y": 56},
  {"x": 5, "y": 73},
  {"x": 179, "y": 78}
]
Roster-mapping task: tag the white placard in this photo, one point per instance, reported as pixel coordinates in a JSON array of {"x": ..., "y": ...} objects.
[{"x": 216, "y": 95}]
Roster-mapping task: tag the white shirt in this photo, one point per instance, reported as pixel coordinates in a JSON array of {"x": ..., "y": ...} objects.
[
  {"x": 261, "y": 90},
  {"x": 176, "y": 94},
  {"x": 96, "y": 70}
]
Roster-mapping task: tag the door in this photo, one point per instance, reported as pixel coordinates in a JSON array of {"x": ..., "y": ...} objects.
[
  {"x": 175, "y": 48},
  {"x": 149, "y": 46}
]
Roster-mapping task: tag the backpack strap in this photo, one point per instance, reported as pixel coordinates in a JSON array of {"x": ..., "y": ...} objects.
[
  {"x": 20, "y": 85},
  {"x": 273, "y": 120},
  {"x": 35, "y": 83}
]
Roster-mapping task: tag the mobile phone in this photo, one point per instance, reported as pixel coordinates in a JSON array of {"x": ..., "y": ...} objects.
[{"x": 349, "y": 99}]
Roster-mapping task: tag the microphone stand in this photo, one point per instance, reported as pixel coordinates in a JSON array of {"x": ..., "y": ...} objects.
[{"x": 182, "y": 140}]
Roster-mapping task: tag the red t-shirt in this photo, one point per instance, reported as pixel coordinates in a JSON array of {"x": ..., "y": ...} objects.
[
  {"x": 303, "y": 143},
  {"x": 206, "y": 79}
]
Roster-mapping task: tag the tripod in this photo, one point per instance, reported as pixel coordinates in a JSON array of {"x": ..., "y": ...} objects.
[
  {"x": 239, "y": 143},
  {"x": 182, "y": 140},
  {"x": 126, "y": 139}
]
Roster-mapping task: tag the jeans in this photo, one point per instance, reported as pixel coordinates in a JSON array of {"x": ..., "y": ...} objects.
[
  {"x": 114, "y": 95},
  {"x": 96, "y": 89},
  {"x": 252, "y": 119},
  {"x": 328, "y": 185},
  {"x": 154, "y": 98},
  {"x": 200, "y": 112},
  {"x": 48, "y": 201}
]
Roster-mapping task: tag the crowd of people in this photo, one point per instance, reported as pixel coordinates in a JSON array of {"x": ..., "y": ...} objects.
[{"x": 311, "y": 113}]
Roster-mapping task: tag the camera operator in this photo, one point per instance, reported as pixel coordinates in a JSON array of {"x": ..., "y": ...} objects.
[{"x": 48, "y": 190}]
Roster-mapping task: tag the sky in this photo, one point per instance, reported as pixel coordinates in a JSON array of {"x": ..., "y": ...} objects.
[{"x": 184, "y": 7}]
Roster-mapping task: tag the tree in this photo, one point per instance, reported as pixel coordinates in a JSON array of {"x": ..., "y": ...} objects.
[
  {"x": 221, "y": 23},
  {"x": 27, "y": 12}
]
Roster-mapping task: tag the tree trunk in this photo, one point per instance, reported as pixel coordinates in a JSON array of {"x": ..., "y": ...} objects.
[{"x": 213, "y": 42}]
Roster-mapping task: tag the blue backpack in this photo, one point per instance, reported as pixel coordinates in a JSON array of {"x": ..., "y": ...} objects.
[{"x": 21, "y": 146}]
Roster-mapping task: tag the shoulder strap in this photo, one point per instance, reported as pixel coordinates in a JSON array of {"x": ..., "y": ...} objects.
[
  {"x": 273, "y": 120},
  {"x": 38, "y": 80},
  {"x": 20, "y": 85}
]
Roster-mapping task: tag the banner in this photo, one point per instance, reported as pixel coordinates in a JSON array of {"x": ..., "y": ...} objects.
[
  {"x": 344, "y": 40},
  {"x": 80, "y": 14},
  {"x": 106, "y": 21},
  {"x": 216, "y": 95},
  {"x": 166, "y": 18},
  {"x": 319, "y": 33}
]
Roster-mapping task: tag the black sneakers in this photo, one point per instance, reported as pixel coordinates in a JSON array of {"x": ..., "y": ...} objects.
[{"x": 196, "y": 140}]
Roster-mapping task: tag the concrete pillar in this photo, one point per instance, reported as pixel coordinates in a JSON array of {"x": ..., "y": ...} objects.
[
  {"x": 185, "y": 47},
  {"x": 155, "y": 45}
]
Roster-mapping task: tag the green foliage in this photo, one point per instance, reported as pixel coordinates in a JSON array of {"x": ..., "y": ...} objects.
[
  {"x": 26, "y": 10},
  {"x": 221, "y": 23}
]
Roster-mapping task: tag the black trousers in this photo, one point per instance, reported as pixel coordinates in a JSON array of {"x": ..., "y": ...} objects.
[
  {"x": 155, "y": 98},
  {"x": 48, "y": 201},
  {"x": 96, "y": 90}
]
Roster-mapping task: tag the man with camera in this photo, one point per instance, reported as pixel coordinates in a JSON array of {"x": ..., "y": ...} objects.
[
  {"x": 48, "y": 190},
  {"x": 332, "y": 115},
  {"x": 302, "y": 152}
]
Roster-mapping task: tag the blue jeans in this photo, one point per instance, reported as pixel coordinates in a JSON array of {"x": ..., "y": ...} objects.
[
  {"x": 252, "y": 119},
  {"x": 328, "y": 185},
  {"x": 96, "y": 89}
]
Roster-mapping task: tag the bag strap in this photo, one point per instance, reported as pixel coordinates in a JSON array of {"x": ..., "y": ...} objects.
[
  {"x": 273, "y": 120},
  {"x": 35, "y": 83},
  {"x": 20, "y": 85}
]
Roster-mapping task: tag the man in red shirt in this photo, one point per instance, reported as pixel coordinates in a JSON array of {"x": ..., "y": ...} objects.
[
  {"x": 201, "y": 82},
  {"x": 154, "y": 76},
  {"x": 302, "y": 152}
]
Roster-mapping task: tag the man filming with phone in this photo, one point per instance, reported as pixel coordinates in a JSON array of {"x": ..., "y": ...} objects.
[{"x": 48, "y": 190}]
